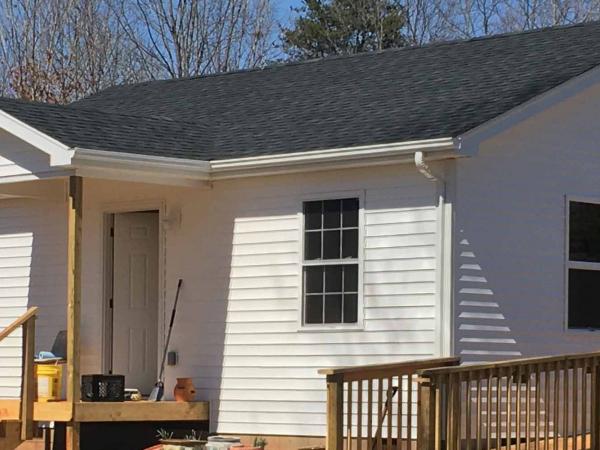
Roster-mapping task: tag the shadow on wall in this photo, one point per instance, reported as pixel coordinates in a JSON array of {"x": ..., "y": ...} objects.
[{"x": 483, "y": 332}]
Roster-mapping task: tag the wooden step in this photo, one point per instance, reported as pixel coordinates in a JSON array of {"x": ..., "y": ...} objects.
[{"x": 34, "y": 444}]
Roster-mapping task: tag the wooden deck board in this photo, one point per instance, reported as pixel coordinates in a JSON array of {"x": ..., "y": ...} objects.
[
  {"x": 140, "y": 411},
  {"x": 109, "y": 412}
]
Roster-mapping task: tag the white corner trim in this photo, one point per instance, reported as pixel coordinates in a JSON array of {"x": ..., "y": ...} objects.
[
  {"x": 443, "y": 278},
  {"x": 60, "y": 154}
]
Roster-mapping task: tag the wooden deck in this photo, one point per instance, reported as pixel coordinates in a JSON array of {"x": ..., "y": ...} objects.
[{"x": 108, "y": 411}]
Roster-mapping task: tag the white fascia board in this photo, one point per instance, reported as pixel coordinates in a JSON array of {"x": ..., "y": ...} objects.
[
  {"x": 191, "y": 169},
  {"x": 60, "y": 154},
  {"x": 141, "y": 164},
  {"x": 339, "y": 155}
]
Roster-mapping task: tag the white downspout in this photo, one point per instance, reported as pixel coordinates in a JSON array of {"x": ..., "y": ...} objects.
[
  {"x": 423, "y": 167},
  {"x": 443, "y": 254}
]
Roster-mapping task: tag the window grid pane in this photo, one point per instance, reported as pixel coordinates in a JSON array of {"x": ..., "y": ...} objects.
[
  {"x": 584, "y": 231},
  {"x": 337, "y": 223},
  {"x": 583, "y": 281},
  {"x": 584, "y": 307},
  {"x": 331, "y": 234},
  {"x": 331, "y": 294}
]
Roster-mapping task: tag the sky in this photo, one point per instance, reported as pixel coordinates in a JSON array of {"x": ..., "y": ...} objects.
[{"x": 283, "y": 9}]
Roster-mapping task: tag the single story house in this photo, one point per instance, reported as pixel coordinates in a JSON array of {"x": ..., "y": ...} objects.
[{"x": 380, "y": 207}]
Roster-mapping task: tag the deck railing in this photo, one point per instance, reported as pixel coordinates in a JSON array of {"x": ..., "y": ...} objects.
[
  {"x": 541, "y": 403},
  {"x": 372, "y": 407},
  {"x": 548, "y": 403},
  {"x": 27, "y": 322}
]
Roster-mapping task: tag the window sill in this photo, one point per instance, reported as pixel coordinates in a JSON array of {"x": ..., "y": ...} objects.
[
  {"x": 582, "y": 330},
  {"x": 330, "y": 328}
]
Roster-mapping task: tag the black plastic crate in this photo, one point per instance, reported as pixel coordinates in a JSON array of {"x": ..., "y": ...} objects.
[{"x": 102, "y": 388}]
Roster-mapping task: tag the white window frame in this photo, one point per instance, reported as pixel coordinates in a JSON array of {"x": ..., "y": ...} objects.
[
  {"x": 583, "y": 265},
  {"x": 320, "y": 327}
]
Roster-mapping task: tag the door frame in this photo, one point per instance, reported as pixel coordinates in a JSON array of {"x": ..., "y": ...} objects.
[{"x": 108, "y": 211}]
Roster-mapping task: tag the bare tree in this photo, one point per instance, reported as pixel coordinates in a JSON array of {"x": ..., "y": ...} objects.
[
  {"x": 57, "y": 51},
  {"x": 532, "y": 14},
  {"x": 180, "y": 38},
  {"x": 469, "y": 18},
  {"x": 425, "y": 22},
  {"x": 60, "y": 50}
]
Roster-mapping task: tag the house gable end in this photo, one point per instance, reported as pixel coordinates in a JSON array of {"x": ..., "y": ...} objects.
[{"x": 471, "y": 141}]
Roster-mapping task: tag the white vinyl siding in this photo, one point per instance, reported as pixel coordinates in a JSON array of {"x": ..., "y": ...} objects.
[
  {"x": 32, "y": 273},
  {"x": 238, "y": 249},
  {"x": 511, "y": 228},
  {"x": 269, "y": 382}
]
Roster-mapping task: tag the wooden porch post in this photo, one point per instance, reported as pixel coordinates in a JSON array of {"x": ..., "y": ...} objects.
[
  {"x": 426, "y": 415},
  {"x": 75, "y": 214},
  {"x": 335, "y": 413}
]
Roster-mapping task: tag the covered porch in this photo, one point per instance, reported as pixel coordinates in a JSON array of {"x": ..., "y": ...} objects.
[{"x": 19, "y": 416}]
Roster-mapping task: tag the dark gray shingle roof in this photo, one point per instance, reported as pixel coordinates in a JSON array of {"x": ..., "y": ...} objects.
[
  {"x": 440, "y": 90},
  {"x": 112, "y": 131}
]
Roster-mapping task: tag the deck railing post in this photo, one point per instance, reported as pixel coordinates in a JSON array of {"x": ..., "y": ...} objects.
[
  {"x": 426, "y": 410},
  {"x": 595, "y": 406},
  {"x": 28, "y": 380},
  {"x": 335, "y": 413}
]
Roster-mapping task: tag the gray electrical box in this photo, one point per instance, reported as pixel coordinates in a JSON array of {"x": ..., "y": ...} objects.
[{"x": 172, "y": 358}]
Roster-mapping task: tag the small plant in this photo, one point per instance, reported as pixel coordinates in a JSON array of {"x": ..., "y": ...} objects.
[
  {"x": 193, "y": 436},
  {"x": 260, "y": 442},
  {"x": 163, "y": 434}
]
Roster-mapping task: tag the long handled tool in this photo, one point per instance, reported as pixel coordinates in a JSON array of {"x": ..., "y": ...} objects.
[{"x": 159, "y": 388}]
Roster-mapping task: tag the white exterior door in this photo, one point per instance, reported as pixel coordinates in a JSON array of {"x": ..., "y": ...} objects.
[{"x": 135, "y": 299}]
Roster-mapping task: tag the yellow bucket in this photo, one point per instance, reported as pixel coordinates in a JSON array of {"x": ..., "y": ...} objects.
[{"x": 49, "y": 382}]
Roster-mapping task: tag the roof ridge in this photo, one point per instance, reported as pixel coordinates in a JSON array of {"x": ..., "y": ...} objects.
[{"x": 326, "y": 59}]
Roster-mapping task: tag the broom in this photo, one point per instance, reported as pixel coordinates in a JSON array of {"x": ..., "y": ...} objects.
[{"x": 159, "y": 388}]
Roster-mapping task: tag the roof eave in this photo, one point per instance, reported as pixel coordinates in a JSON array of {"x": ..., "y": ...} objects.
[
  {"x": 339, "y": 158},
  {"x": 91, "y": 161}
]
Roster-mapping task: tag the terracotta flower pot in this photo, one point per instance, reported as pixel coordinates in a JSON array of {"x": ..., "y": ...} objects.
[{"x": 184, "y": 390}]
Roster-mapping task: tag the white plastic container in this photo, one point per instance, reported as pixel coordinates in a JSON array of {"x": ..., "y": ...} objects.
[{"x": 222, "y": 442}]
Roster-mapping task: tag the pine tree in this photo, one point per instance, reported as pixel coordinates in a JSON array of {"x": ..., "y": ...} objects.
[{"x": 338, "y": 27}]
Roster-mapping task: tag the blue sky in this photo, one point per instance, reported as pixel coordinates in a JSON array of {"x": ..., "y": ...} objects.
[{"x": 283, "y": 8}]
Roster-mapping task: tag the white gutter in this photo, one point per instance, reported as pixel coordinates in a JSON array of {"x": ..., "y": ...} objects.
[
  {"x": 338, "y": 154},
  {"x": 87, "y": 159}
]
